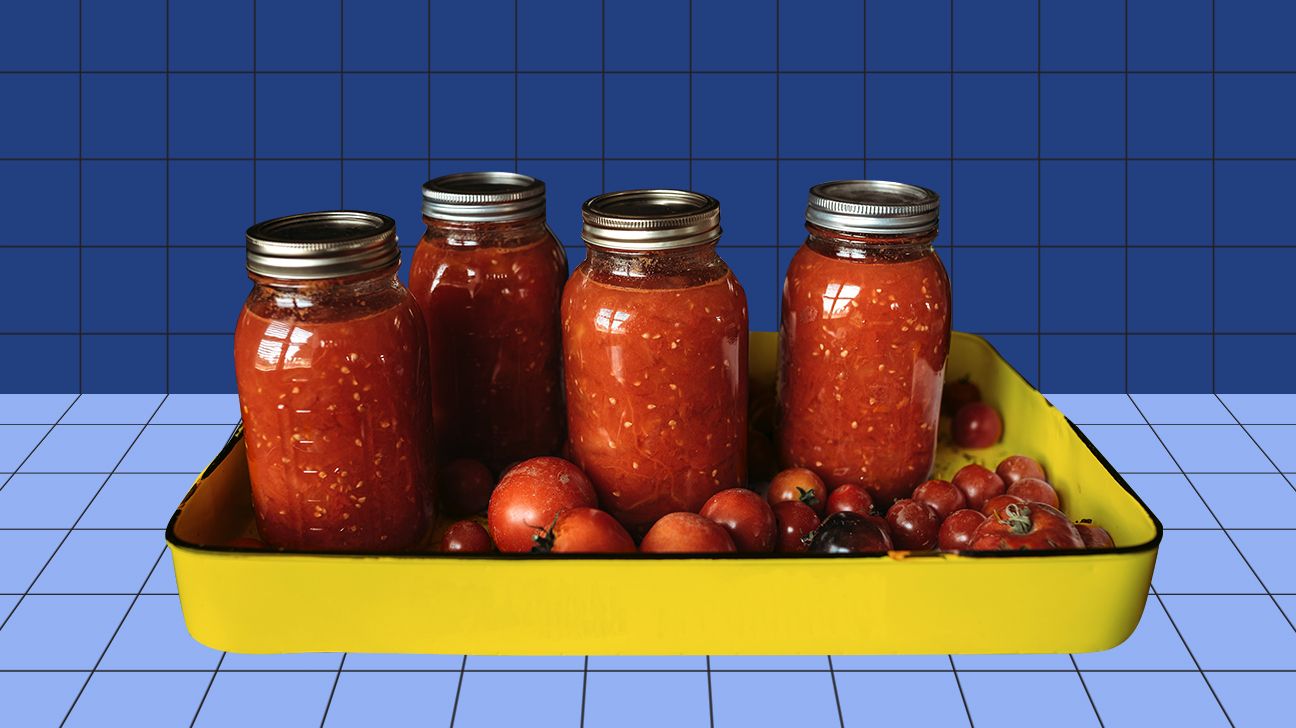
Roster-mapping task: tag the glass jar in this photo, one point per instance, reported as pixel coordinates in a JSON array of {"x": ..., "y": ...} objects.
[
  {"x": 331, "y": 360},
  {"x": 655, "y": 343},
  {"x": 488, "y": 276},
  {"x": 864, "y": 337}
]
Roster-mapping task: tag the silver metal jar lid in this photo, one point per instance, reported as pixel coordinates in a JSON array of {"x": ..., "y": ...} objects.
[
  {"x": 317, "y": 245},
  {"x": 873, "y": 207},
  {"x": 483, "y": 197},
  {"x": 641, "y": 220}
]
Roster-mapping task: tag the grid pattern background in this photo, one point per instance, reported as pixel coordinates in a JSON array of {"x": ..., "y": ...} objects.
[{"x": 1112, "y": 170}]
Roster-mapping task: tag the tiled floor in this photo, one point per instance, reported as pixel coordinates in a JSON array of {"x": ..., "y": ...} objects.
[{"x": 91, "y": 632}]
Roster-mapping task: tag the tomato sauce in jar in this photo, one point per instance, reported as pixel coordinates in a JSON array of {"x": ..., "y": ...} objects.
[
  {"x": 864, "y": 337},
  {"x": 655, "y": 342},
  {"x": 330, "y": 355},
  {"x": 488, "y": 275}
]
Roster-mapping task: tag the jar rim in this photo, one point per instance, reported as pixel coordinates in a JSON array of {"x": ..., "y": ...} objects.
[{"x": 873, "y": 207}]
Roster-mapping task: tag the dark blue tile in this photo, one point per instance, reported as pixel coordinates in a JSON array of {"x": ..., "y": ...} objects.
[
  {"x": 804, "y": 132},
  {"x": 40, "y": 36},
  {"x": 40, "y": 293},
  {"x": 1082, "y": 115},
  {"x": 995, "y": 36},
  {"x": 392, "y": 188},
  {"x": 994, "y": 115},
  {"x": 932, "y": 174},
  {"x": 1170, "y": 115},
  {"x": 734, "y": 115},
  {"x": 385, "y": 115},
  {"x": 1083, "y": 290},
  {"x": 1170, "y": 35},
  {"x": 1255, "y": 115},
  {"x": 472, "y": 115},
  {"x": 1254, "y": 35},
  {"x": 46, "y": 125},
  {"x": 298, "y": 35},
  {"x": 211, "y": 115},
  {"x": 795, "y": 179},
  {"x": 124, "y": 203},
  {"x": 651, "y": 173},
  {"x": 906, "y": 35},
  {"x": 1083, "y": 37},
  {"x": 1252, "y": 293},
  {"x": 980, "y": 189},
  {"x": 646, "y": 36},
  {"x": 289, "y": 187},
  {"x": 646, "y": 115},
  {"x": 280, "y": 101},
  {"x": 756, "y": 269},
  {"x": 746, "y": 191},
  {"x": 39, "y": 363},
  {"x": 124, "y": 36},
  {"x": 208, "y": 286},
  {"x": 1170, "y": 290},
  {"x": 734, "y": 35},
  {"x": 546, "y": 131},
  {"x": 1021, "y": 351},
  {"x": 1242, "y": 188},
  {"x": 46, "y": 192},
  {"x": 124, "y": 289},
  {"x": 1073, "y": 363},
  {"x": 1082, "y": 202},
  {"x": 1254, "y": 363},
  {"x": 1182, "y": 186},
  {"x": 211, "y": 36},
  {"x": 124, "y": 363},
  {"x": 567, "y": 185},
  {"x": 477, "y": 36},
  {"x": 821, "y": 35},
  {"x": 391, "y": 35},
  {"x": 201, "y": 364},
  {"x": 569, "y": 41},
  {"x": 124, "y": 115},
  {"x": 907, "y": 115},
  {"x": 996, "y": 308},
  {"x": 211, "y": 202}
]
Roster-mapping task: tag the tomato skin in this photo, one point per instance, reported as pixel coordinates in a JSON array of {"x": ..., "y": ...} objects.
[
  {"x": 979, "y": 484},
  {"x": 584, "y": 530},
  {"x": 956, "y": 531},
  {"x": 977, "y": 425},
  {"x": 686, "y": 533},
  {"x": 851, "y": 533},
  {"x": 997, "y": 504},
  {"x": 1035, "y": 490},
  {"x": 246, "y": 542},
  {"x": 466, "y": 537},
  {"x": 956, "y": 394},
  {"x": 465, "y": 487},
  {"x": 850, "y": 498},
  {"x": 796, "y": 520},
  {"x": 746, "y": 516},
  {"x": 941, "y": 496},
  {"x": 1030, "y": 527},
  {"x": 1095, "y": 536},
  {"x": 530, "y": 496},
  {"x": 914, "y": 525},
  {"x": 799, "y": 484},
  {"x": 1015, "y": 467}
]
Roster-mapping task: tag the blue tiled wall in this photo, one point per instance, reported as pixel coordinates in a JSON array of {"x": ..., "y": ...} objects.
[{"x": 1116, "y": 175}]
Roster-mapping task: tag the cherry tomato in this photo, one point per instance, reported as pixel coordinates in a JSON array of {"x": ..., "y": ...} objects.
[
  {"x": 978, "y": 485},
  {"x": 941, "y": 496},
  {"x": 530, "y": 496},
  {"x": 466, "y": 537},
  {"x": 997, "y": 504},
  {"x": 957, "y": 394},
  {"x": 847, "y": 532},
  {"x": 850, "y": 498},
  {"x": 1034, "y": 490},
  {"x": 1033, "y": 526},
  {"x": 977, "y": 425},
  {"x": 799, "y": 484},
  {"x": 914, "y": 525},
  {"x": 746, "y": 516},
  {"x": 465, "y": 487},
  {"x": 686, "y": 533},
  {"x": 956, "y": 532},
  {"x": 584, "y": 531},
  {"x": 1015, "y": 467},
  {"x": 796, "y": 521},
  {"x": 1094, "y": 536}
]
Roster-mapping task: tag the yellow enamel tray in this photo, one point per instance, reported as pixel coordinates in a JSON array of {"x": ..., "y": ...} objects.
[{"x": 245, "y": 600}]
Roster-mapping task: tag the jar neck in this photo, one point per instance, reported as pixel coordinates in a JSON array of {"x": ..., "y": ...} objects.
[
  {"x": 326, "y": 299},
  {"x": 674, "y": 268},
  {"x": 863, "y": 246},
  {"x": 508, "y": 234}
]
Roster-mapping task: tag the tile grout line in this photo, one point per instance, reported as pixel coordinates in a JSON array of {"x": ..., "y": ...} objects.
[
  {"x": 203, "y": 700},
  {"x": 710, "y": 696},
  {"x": 814, "y": 671},
  {"x": 333, "y": 690},
  {"x": 1191, "y": 655},
  {"x": 80, "y": 200},
  {"x": 19, "y": 466},
  {"x": 959, "y": 684},
  {"x": 166, "y": 301},
  {"x": 1125, "y": 201},
  {"x": 1256, "y": 442},
  {"x": 584, "y": 689},
  {"x": 832, "y": 675},
  {"x": 655, "y": 72},
  {"x": 1085, "y": 686},
  {"x": 454, "y": 710},
  {"x": 1039, "y": 198}
]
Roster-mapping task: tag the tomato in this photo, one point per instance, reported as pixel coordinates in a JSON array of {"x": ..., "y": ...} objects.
[
  {"x": 847, "y": 532},
  {"x": 941, "y": 496},
  {"x": 914, "y": 525},
  {"x": 957, "y": 394},
  {"x": 1035, "y": 490},
  {"x": 850, "y": 498},
  {"x": 1033, "y": 526},
  {"x": 1094, "y": 536},
  {"x": 799, "y": 484},
  {"x": 246, "y": 542},
  {"x": 686, "y": 533},
  {"x": 466, "y": 537},
  {"x": 997, "y": 504},
  {"x": 977, "y": 425},
  {"x": 465, "y": 487},
  {"x": 796, "y": 521},
  {"x": 584, "y": 531},
  {"x": 1015, "y": 467},
  {"x": 530, "y": 496},
  {"x": 746, "y": 516},
  {"x": 978, "y": 485},
  {"x": 956, "y": 532}
]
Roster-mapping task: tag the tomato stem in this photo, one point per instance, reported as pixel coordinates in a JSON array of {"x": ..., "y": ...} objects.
[
  {"x": 1017, "y": 517},
  {"x": 807, "y": 497}
]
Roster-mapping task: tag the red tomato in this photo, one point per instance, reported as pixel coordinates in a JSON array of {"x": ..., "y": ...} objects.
[
  {"x": 1035, "y": 490},
  {"x": 850, "y": 498},
  {"x": 941, "y": 496},
  {"x": 1033, "y": 526},
  {"x": 530, "y": 496},
  {"x": 746, "y": 516},
  {"x": 914, "y": 525},
  {"x": 1094, "y": 536},
  {"x": 466, "y": 537},
  {"x": 465, "y": 487},
  {"x": 977, "y": 425},
  {"x": 1015, "y": 467},
  {"x": 978, "y": 485},
  {"x": 584, "y": 531},
  {"x": 686, "y": 533},
  {"x": 796, "y": 521},
  {"x": 246, "y": 542},
  {"x": 999, "y": 502},
  {"x": 799, "y": 484},
  {"x": 956, "y": 532},
  {"x": 957, "y": 394}
]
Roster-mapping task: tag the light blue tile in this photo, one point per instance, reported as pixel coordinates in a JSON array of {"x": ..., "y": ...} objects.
[
  {"x": 17, "y": 442},
  {"x": 1287, "y": 603},
  {"x": 491, "y": 699},
  {"x": 1270, "y": 554},
  {"x": 269, "y": 699},
  {"x": 1014, "y": 662},
  {"x": 33, "y": 409},
  {"x": 525, "y": 662},
  {"x": 1097, "y": 409},
  {"x": 1201, "y": 562},
  {"x": 1131, "y": 448},
  {"x": 82, "y": 449},
  {"x": 1213, "y": 449},
  {"x": 1249, "y": 501},
  {"x": 1154, "y": 698},
  {"x": 199, "y": 409},
  {"x": 32, "y": 500},
  {"x": 102, "y": 562},
  {"x": 154, "y": 637},
  {"x": 1172, "y": 498},
  {"x": 773, "y": 662},
  {"x": 1279, "y": 443},
  {"x": 236, "y": 661},
  {"x": 59, "y": 632},
  {"x": 1260, "y": 699},
  {"x": 901, "y": 699},
  {"x": 1234, "y": 632},
  {"x": 113, "y": 409},
  {"x": 648, "y": 662},
  {"x": 1002, "y": 698},
  {"x": 367, "y": 699},
  {"x": 163, "y": 579},
  {"x": 647, "y": 700},
  {"x": 38, "y": 699},
  {"x": 773, "y": 699},
  {"x": 175, "y": 448},
  {"x": 139, "y": 699},
  {"x": 893, "y": 663},
  {"x": 136, "y": 501},
  {"x": 359, "y": 661},
  {"x": 1183, "y": 409},
  {"x": 1154, "y": 646},
  {"x": 7, "y": 603},
  {"x": 22, "y": 554},
  {"x": 1262, "y": 409}
]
